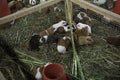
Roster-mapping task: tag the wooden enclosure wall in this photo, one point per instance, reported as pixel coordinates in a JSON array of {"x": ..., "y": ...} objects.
[
  {"x": 27, "y": 11},
  {"x": 98, "y": 10},
  {"x": 82, "y": 3}
]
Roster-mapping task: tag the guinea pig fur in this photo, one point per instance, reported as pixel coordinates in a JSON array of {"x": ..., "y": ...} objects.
[
  {"x": 38, "y": 75},
  {"x": 48, "y": 31},
  {"x": 62, "y": 29},
  {"x": 53, "y": 28},
  {"x": 84, "y": 40},
  {"x": 83, "y": 18},
  {"x": 81, "y": 32},
  {"x": 63, "y": 44},
  {"x": 59, "y": 24},
  {"x": 48, "y": 39},
  {"x": 34, "y": 42},
  {"x": 114, "y": 40},
  {"x": 81, "y": 25}
]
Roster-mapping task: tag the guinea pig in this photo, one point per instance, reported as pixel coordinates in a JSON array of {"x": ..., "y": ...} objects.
[
  {"x": 114, "y": 40},
  {"x": 34, "y": 42},
  {"x": 83, "y": 18},
  {"x": 48, "y": 39},
  {"x": 32, "y": 2},
  {"x": 48, "y": 31},
  {"x": 15, "y": 5},
  {"x": 63, "y": 44},
  {"x": 99, "y": 2},
  {"x": 62, "y": 29},
  {"x": 38, "y": 74},
  {"x": 84, "y": 40},
  {"x": 59, "y": 24},
  {"x": 81, "y": 25},
  {"x": 110, "y": 4},
  {"x": 81, "y": 32}
]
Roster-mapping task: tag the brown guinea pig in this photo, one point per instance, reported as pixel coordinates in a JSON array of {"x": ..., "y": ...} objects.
[
  {"x": 15, "y": 5},
  {"x": 114, "y": 40},
  {"x": 84, "y": 40}
]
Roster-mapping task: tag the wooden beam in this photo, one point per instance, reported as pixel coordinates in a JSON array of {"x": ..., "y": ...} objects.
[
  {"x": 97, "y": 9},
  {"x": 27, "y": 11}
]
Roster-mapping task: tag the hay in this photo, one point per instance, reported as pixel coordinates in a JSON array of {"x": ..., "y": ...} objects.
[{"x": 100, "y": 61}]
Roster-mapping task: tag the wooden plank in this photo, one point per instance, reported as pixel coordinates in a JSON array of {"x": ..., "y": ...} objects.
[
  {"x": 97, "y": 9},
  {"x": 27, "y": 11}
]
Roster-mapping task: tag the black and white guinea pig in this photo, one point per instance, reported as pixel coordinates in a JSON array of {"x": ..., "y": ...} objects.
[
  {"x": 34, "y": 42},
  {"x": 63, "y": 44},
  {"x": 110, "y": 4},
  {"x": 48, "y": 39}
]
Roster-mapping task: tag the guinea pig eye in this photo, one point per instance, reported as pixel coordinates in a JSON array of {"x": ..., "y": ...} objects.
[
  {"x": 88, "y": 39},
  {"x": 68, "y": 27},
  {"x": 64, "y": 22}
]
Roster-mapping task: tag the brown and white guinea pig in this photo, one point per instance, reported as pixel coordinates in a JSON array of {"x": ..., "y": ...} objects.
[
  {"x": 37, "y": 72},
  {"x": 53, "y": 28},
  {"x": 62, "y": 29},
  {"x": 63, "y": 44},
  {"x": 82, "y": 17},
  {"x": 114, "y": 40},
  {"x": 81, "y": 32},
  {"x": 48, "y": 39},
  {"x": 81, "y": 25},
  {"x": 48, "y": 31},
  {"x": 34, "y": 42},
  {"x": 59, "y": 24},
  {"x": 84, "y": 40}
]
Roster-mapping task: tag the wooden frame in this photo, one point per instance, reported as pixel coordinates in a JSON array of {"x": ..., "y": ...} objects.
[
  {"x": 27, "y": 11},
  {"x": 81, "y": 3},
  {"x": 99, "y": 10}
]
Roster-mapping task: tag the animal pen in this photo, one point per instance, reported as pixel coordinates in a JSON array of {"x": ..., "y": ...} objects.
[{"x": 98, "y": 61}]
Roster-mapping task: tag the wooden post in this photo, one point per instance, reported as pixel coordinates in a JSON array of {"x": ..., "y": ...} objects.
[{"x": 66, "y": 9}]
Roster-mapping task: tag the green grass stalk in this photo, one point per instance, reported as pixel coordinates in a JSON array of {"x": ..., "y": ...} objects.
[{"x": 76, "y": 60}]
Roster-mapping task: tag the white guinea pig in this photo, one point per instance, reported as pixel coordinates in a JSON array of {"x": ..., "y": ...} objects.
[
  {"x": 38, "y": 75},
  {"x": 99, "y": 2}
]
